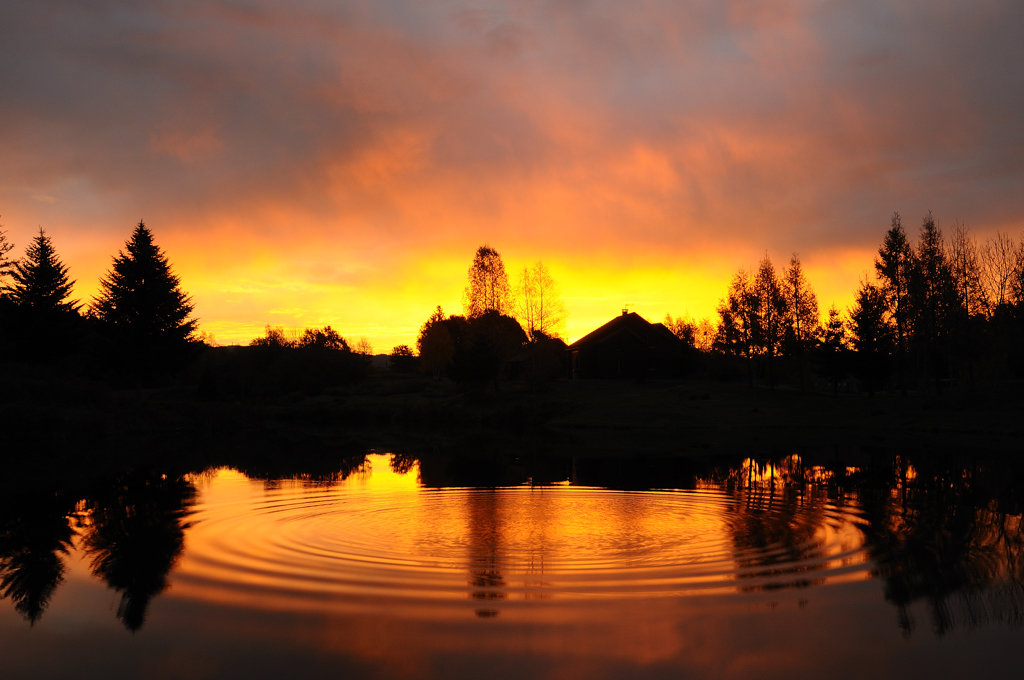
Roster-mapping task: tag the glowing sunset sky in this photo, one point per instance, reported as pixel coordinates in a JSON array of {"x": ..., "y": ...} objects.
[{"x": 314, "y": 162}]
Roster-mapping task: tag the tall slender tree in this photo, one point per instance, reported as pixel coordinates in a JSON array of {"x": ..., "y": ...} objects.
[
  {"x": 801, "y": 313},
  {"x": 538, "y": 306},
  {"x": 970, "y": 305},
  {"x": 739, "y": 321},
  {"x": 141, "y": 299},
  {"x": 933, "y": 296},
  {"x": 488, "y": 288},
  {"x": 772, "y": 311},
  {"x": 895, "y": 266},
  {"x": 966, "y": 269}
]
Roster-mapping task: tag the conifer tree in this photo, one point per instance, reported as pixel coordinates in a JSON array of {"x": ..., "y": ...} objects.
[
  {"x": 40, "y": 280},
  {"x": 832, "y": 351},
  {"x": 140, "y": 298},
  {"x": 872, "y": 334},
  {"x": 895, "y": 266},
  {"x": 801, "y": 312},
  {"x": 772, "y": 308},
  {"x": 932, "y": 295},
  {"x": 739, "y": 321},
  {"x": 39, "y": 319}
]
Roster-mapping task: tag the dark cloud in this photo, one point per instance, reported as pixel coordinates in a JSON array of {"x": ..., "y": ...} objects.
[{"x": 568, "y": 126}]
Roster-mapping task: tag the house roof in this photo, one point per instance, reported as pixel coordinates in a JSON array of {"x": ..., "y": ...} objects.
[{"x": 627, "y": 322}]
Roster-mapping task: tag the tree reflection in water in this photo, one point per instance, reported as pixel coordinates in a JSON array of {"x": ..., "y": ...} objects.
[
  {"x": 775, "y": 533},
  {"x": 136, "y": 535},
  {"x": 946, "y": 534},
  {"x": 35, "y": 536},
  {"x": 952, "y": 538},
  {"x": 943, "y": 534},
  {"x": 484, "y": 550}
]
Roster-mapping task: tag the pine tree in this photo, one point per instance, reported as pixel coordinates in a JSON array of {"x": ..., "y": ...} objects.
[
  {"x": 801, "y": 313},
  {"x": 772, "y": 308},
  {"x": 895, "y": 266},
  {"x": 39, "y": 317},
  {"x": 833, "y": 349},
  {"x": 739, "y": 321},
  {"x": 932, "y": 295},
  {"x": 140, "y": 298},
  {"x": 40, "y": 281},
  {"x": 872, "y": 335}
]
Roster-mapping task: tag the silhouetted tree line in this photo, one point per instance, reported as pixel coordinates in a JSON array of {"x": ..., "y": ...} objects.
[
  {"x": 936, "y": 312},
  {"x": 138, "y": 324},
  {"x": 275, "y": 364},
  {"x": 505, "y": 331},
  {"x": 139, "y": 327}
]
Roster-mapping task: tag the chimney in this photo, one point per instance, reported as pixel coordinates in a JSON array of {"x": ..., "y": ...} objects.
[{"x": 625, "y": 312}]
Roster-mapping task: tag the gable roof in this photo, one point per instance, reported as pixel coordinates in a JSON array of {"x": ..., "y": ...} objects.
[{"x": 627, "y": 322}]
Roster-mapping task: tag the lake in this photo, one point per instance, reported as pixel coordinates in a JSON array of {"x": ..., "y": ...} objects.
[{"x": 402, "y": 566}]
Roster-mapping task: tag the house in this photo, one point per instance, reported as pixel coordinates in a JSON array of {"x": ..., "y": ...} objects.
[{"x": 628, "y": 346}]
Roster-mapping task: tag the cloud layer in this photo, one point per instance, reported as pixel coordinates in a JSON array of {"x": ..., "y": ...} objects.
[{"x": 338, "y": 162}]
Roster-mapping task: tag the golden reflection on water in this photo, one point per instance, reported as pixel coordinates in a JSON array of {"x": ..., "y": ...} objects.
[
  {"x": 369, "y": 573},
  {"x": 378, "y": 539}
]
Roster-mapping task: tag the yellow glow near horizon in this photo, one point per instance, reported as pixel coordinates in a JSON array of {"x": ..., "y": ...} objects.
[{"x": 300, "y": 287}]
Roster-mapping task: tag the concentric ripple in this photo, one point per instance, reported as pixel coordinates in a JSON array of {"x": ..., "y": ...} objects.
[{"x": 380, "y": 539}]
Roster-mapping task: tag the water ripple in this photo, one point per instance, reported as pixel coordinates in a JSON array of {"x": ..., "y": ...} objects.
[{"x": 511, "y": 544}]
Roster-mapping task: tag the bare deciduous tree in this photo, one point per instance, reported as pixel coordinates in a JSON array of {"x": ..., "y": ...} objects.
[
  {"x": 5, "y": 262},
  {"x": 998, "y": 263},
  {"x": 537, "y": 304},
  {"x": 967, "y": 271},
  {"x": 1017, "y": 283},
  {"x": 363, "y": 347}
]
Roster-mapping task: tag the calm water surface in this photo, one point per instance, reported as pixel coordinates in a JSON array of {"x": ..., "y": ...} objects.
[{"x": 778, "y": 570}]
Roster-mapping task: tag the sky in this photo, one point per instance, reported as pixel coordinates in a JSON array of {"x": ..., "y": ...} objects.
[{"x": 312, "y": 162}]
